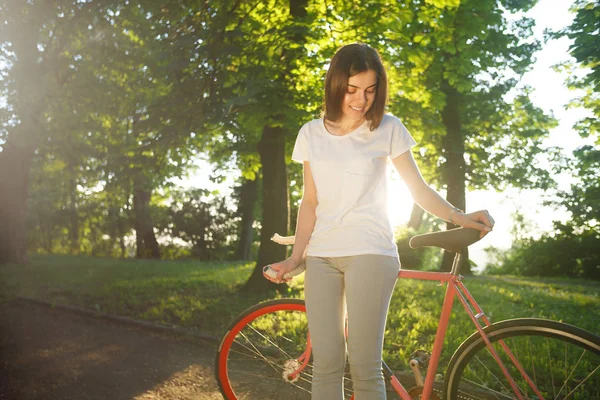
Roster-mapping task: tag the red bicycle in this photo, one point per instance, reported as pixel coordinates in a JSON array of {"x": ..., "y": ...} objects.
[{"x": 266, "y": 352}]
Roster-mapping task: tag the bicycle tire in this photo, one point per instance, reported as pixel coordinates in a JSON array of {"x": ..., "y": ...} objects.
[
  {"x": 250, "y": 360},
  {"x": 568, "y": 352}
]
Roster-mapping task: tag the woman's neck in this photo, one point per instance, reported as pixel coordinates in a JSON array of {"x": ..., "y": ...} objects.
[{"x": 342, "y": 127}]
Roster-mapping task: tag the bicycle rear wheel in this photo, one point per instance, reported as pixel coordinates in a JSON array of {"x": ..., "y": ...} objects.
[
  {"x": 562, "y": 360},
  {"x": 262, "y": 344}
]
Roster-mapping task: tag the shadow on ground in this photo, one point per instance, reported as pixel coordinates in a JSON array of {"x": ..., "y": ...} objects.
[{"x": 50, "y": 354}]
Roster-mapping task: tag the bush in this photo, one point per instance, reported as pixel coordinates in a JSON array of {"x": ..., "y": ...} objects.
[{"x": 565, "y": 254}]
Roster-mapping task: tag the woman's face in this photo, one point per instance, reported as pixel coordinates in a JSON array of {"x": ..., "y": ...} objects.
[{"x": 360, "y": 95}]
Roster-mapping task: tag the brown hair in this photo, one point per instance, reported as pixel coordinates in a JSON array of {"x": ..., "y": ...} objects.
[{"x": 350, "y": 60}]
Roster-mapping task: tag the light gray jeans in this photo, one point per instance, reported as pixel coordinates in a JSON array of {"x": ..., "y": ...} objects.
[{"x": 363, "y": 286}]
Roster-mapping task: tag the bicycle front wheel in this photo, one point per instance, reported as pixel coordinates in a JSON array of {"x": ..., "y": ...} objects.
[
  {"x": 561, "y": 360},
  {"x": 261, "y": 348}
]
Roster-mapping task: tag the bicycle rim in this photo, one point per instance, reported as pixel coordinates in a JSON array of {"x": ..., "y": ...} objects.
[
  {"x": 562, "y": 361},
  {"x": 263, "y": 344}
]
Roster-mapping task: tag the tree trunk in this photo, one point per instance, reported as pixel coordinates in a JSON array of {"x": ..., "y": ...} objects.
[
  {"x": 416, "y": 217},
  {"x": 47, "y": 237},
  {"x": 94, "y": 242},
  {"x": 15, "y": 167},
  {"x": 147, "y": 246},
  {"x": 19, "y": 149},
  {"x": 201, "y": 250},
  {"x": 454, "y": 169},
  {"x": 129, "y": 217},
  {"x": 73, "y": 217},
  {"x": 271, "y": 149},
  {"x": 111, "y": 245},
  {"x": 248, "y": 197},
  {"x": 122, "y": 237}
]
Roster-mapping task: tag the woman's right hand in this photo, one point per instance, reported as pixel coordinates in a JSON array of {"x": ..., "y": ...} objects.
[
  {"x": 282, "y": 268},
  {"x": 480, "y": 220}
]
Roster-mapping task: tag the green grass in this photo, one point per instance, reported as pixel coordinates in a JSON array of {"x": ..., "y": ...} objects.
[
  {"x": 415, "y": 308},
  {"x": 205, "y": 296},
  {"x": 190, "y": 294}
]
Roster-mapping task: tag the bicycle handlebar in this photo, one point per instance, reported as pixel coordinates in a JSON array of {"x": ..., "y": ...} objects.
[
  {"x": 288, "y": 275},
  {"x": 284, "y": 240},
  {"x": 454, "y": 240}
]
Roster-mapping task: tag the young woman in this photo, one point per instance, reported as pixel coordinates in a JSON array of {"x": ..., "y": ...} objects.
[{"x": 343, "y": 228}]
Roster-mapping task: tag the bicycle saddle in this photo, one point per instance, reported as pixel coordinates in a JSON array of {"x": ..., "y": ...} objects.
[{"x": 454, "y": 240}]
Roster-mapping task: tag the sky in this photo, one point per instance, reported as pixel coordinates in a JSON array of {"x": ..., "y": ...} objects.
[{"x": 550, "y": 94}]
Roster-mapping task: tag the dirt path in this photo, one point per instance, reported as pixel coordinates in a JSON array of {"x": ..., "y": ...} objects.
[{"x": 51, "y": 354}]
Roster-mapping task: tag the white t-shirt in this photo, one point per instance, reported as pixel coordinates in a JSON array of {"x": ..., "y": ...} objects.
[{"x": 350, "y": 176}]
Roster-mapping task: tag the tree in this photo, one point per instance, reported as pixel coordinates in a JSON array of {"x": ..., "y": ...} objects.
[
  {"x": 458, "y": 65},
  {"x": 203, "y": 220},
  {"x": 34, "y": 34},
  {"x": 257, "y": 70},
  {"x": 582, "y": 232},
  {"x": 134, "y": 99},
  {"x": 247, "y": 198},
  {"x": 272, "y": 147},
  {"x": 131, "y": 104},
  {"x": 584, "y": 199}
]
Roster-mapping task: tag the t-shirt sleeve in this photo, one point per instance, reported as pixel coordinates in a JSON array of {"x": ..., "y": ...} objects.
[
  {"x": 300, "y": 153},
  {"x": 401, "y": 141}
]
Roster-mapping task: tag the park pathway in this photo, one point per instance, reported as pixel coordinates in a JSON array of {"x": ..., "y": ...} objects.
[{"x": 55, "y": 355}]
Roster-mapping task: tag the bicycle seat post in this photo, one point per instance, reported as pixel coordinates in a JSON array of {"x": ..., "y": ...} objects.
[{"x": 458, "y": 258}]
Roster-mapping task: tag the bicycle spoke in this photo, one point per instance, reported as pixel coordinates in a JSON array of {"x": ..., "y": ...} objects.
[
  {"x": 571, "y": 373},
  {"x": 247, "y": 348},
  {"x": 476, "y": 376},
  {"x": 582, "y": 382},
  {"x": 514, "y": 350},
  {"x": 532, "y": 365},
  {"x": 277, "y": 367},
  {"x": 493, "y": 374},
  {"x": 551, "y": 373},
  {"x": 255, "y": 351},
  {"x": 250, "y": 374},
  {"x": 471, "y": 395},
  {"x": 481, "y": 385},
  {"x": 268, "y": 339},
  {"x": 263, "y": 357}
]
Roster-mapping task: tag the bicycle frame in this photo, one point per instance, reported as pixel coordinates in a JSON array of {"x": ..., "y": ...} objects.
[
  {"x": 453, "y": 282},
  {"x": 455, "y": 288}
]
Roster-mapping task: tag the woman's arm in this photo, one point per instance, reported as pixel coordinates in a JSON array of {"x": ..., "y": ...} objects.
[
  {"x": 307, "y": 217},
  {"x": 432, "y": 202}
]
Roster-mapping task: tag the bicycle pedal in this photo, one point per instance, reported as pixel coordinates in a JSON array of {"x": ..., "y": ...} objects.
[{"x": 421, "y": 357}]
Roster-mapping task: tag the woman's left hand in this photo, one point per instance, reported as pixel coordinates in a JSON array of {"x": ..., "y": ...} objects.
[{"x": 481, "y": 220}]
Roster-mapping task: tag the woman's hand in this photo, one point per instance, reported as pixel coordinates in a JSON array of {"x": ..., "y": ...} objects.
[
  {"x": 481, "y": 220},
  {"x": 282, "y": 268}
]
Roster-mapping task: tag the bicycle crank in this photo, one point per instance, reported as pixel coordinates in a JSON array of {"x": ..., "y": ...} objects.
[{"x": 415, "y": 393}]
